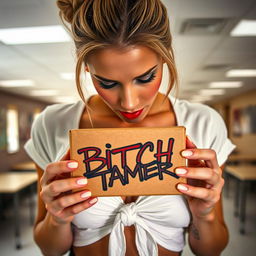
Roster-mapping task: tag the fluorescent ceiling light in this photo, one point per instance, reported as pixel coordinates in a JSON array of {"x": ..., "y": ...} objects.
[
  {"x": 241, "y": 73},
  {"x": 16, "y": 83},
  {"x": 43, "y": 93},
  {"x": 226, "y": 84},
  {"x": 34, "y": 35},
  {"x": 244, "y": 28},
  {"x": 212, "y": 92}
]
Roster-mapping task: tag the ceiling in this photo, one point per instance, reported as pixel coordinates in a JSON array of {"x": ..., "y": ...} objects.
[{"x": 201, "y": 57}]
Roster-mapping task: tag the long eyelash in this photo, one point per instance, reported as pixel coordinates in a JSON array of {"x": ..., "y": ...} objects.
[
  {"x": 107, "y": 86},
  {"x": 151, "y": 78}
]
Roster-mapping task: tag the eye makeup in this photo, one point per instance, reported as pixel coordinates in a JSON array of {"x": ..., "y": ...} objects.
[
  {"x": 107, "y": 85},
  {"x": 143, "y": 79},
  {"x": 149, "y": 78}
]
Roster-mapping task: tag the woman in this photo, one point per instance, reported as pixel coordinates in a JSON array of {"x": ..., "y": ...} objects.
[{"x": 123, "y": 44}]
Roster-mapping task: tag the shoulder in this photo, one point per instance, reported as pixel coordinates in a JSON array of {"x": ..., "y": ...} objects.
[
  {"x": 203, "y": 123},
  {"x": 57, "y": 115},
  {"x": 196, "y": 113},
  {"x": 206, "y": 128},
  {"x": 60, "y": 110},
  {"x": 51, "y": 127},
  {"x": 49, "y": 134}
]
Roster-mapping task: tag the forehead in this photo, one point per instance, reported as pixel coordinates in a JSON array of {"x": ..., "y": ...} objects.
[{"x": 115, "y": 61}]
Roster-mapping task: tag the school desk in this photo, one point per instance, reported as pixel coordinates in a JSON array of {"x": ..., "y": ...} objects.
[
  {"x": 13, "y": 183},
  {"x": 24, "y": 166},
  {"x": 242, "y": 158},
  {"x": 243, "y": 175}
]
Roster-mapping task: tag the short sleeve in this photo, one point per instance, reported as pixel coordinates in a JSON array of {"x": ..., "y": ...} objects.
[
  {"x": 218, "y": 137},
  {"x": 36, "y": 147},
  {"x": 205, "y": 127}
]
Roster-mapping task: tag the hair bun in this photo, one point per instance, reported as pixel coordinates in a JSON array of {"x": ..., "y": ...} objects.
[{"x": 68, "y": 8}]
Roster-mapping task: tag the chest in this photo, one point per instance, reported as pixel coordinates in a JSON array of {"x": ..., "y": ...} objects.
[
  {"x": 162, "y": 119},
  {"x": 165, "y": 118}
]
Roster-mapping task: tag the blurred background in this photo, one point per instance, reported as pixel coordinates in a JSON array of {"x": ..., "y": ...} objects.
[{"x": 215, "y": 48}]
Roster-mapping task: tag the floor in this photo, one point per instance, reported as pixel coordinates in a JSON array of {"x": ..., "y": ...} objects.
[{"x": 239, "y": 245}]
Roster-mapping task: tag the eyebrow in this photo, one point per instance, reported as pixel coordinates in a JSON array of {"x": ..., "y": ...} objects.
[{"x": 107, "y": 80}]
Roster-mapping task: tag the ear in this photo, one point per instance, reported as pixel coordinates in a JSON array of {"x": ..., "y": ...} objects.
[
  {"x": 87, "y": 68},
  {"x": 161, "y": 59}
]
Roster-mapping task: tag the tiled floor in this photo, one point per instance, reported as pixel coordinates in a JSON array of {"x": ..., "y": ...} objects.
[{"x": 239, "y": 245}]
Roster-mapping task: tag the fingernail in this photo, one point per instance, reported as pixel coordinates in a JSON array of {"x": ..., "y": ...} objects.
[
  {"x": 180, "y": 171},
  {"x": 93, "y": 201},
  {"x": 187, "y": 153},
  {"x": 86, "y": 194},
  {"x": 72, "y": 165},
  {"x": 182, "y": 187},
  {"x": 81, "y": 181}
]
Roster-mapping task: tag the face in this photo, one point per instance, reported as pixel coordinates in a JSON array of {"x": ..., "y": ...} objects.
[{"x": 127, "y": 80}]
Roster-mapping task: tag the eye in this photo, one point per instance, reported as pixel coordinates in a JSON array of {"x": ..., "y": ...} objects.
[
  {"x": 107, "y": 85},
  {"x": 148, "y": 78}
]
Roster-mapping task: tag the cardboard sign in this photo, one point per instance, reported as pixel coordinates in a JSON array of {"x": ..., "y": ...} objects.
[{"x": 129, "y": 161}]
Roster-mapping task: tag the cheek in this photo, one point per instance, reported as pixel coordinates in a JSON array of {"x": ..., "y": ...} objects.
[
  {"x": 153, "y": 89},
  {"x": 107, "y": 95}
]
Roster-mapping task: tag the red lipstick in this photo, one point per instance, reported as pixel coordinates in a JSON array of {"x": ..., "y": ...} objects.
[{"x": 132, "y": 115}]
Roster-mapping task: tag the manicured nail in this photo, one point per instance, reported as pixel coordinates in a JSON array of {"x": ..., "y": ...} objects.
[
  {"x": 81, "y": 181},
  {"x": 93, "y": 201},
  {"x": 180, "y": 171},
  {"x": 72, "y": 165},
  {"x": 86, "y": 194},
  {"x": 187, "y": 153},
  {"x": 182, "y": 187}
]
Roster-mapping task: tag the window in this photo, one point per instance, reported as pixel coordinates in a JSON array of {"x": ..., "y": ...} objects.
[{"x": 12, "y": 130}]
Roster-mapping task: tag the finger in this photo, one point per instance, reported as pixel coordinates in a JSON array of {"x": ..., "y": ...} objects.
[
  {"x": 208, "y": 195},
  {"x": 190, "y": 145},
  {"x": 69, "y": 200},
  {"x": 55, "y": 188},
  {"x": 206, "y": 174},
  {"x": 57, "y": 168},
  {"x": 208, "y": 155},
  {"x": 66, "y": 156},
  {"x": 75, "y": 209}
]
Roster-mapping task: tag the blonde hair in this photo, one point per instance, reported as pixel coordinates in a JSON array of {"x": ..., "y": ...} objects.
[{"x": 97, "y": 24}]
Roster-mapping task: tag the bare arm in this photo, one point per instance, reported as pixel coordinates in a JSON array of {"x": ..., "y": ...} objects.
[
  {"x": 208, "y": 234},
  {"x": 60, "y": 239},
  {"x": 57, "y": 205}
]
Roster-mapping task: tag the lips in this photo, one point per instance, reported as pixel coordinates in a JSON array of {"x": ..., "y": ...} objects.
[{"x": 131, "y": 115}]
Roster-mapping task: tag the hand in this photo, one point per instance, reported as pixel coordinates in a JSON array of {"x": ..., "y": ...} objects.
[
  {"x": 56, "y": 193},
  {"x": 204, "y": 180}
]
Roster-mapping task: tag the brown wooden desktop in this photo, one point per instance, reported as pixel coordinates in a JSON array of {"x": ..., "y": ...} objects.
[
  {"x": 24, "y": 166},
  {"x": 12, "y": 183},
  {"x": 243, "y": 174}
]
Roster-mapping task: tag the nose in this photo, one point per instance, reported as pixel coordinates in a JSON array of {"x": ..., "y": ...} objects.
[{"x": 129, "y": 97}]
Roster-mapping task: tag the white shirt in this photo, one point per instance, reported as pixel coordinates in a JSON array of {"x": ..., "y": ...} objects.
[{"x": 157, "y": 219}]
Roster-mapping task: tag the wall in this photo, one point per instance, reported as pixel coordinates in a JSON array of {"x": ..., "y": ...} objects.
[
  {"x": 245, "y": 143},
  {"x": 26, "y": 106}
]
